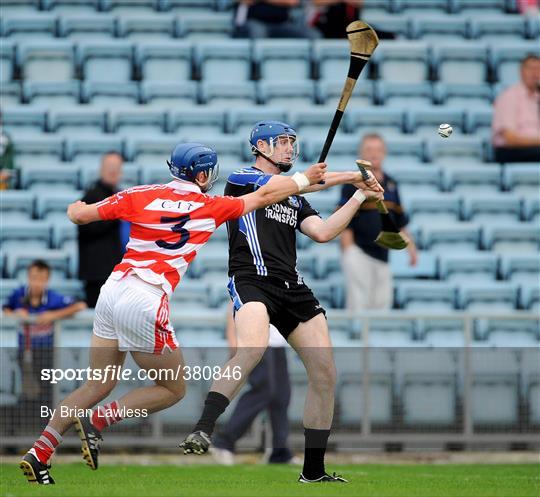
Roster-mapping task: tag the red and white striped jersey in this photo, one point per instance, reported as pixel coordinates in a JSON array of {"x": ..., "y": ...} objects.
[{"x": 170, "y": 224}]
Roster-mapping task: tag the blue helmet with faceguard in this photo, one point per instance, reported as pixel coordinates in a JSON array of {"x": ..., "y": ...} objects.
[
  {"x": 189, "y": 159},
  {"x": 271, "y": 132}
]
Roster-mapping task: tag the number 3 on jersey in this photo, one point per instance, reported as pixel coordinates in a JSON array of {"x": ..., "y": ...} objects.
[{"x": 177, "y": 228}]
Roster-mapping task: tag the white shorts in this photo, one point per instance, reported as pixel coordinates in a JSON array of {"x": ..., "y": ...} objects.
[{"x": 136, "y": 314}]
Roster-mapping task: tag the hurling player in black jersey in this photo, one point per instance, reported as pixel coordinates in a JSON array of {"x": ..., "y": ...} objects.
[{"x": 265, "y": 288}]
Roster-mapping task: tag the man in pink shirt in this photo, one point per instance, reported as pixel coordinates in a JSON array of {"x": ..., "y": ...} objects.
[{"x": 516, "y": 118}]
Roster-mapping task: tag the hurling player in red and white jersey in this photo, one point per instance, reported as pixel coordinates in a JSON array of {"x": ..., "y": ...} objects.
[{"x": 170, "y": 223}]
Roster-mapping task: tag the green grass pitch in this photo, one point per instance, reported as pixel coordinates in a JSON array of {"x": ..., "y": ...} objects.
[{"x": 418, "y": 480}]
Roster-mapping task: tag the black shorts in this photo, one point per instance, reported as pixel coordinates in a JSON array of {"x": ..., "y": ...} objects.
[{"x": 288, "y": 303}]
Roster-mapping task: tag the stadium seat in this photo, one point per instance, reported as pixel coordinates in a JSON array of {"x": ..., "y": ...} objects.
[
  {"x": 29, "y": 26},
  {"x": 440, "y": 28},
  {"x": 404, "y": 95},
  {"x": 461, "y": 63},
  {"x": 30, "y": 233},
  {"x": 499, "y": 28},
  {"x": 43, "y": 177},
  {"x": 137, "y": 122},
  {"x": 506, "y": 59},
  {"x": 533, "y": 396},
  {"x": 77, "y": 121},
  {"x": 241, "y": 121},
  {"x": 228, "y": 94},
  {"x": 197, "y": 121},
  {"x": 164, "y": 95},
  {"x": 227, "y": 61},
  {"x": 38, "y": 150},
  {"x": 89, "y": 173},
  {"x": 147, "y": 27},
  {"x": 465, "y": 96},
  {"x": 437, "y": 332},
  {"x": 512, "y": 237},
  {"x": 99, "y": 27},
  {"x": 7, "y": 60},
  {"x": 106, "y": 61},
  {"x": 487, "y": 297},
  {"x": 401, "y": 26},
  {"x": 164, "y": 61},
  {"x": 522, "y": 179},
  {"x": 387, "y": 121},
  {"x": 47, "y": 60},
  {"x": 192, "y": 292},
  {"x": 192, "y": 6},
  {"x": 16, "y": 205},
  {"x": 332, "y": 57},
  {"x": 468, "y": 267},
  {"x": 404, "y": 62},
  {"x": 530, "y": 297},
  {"x": 460, "y": 148},
  {"x": 403, "y": 149},
  {"x": 64, "y": 235},
  {"x": 201, "y": 26},
  {"x": 278, "y": 57},
  {"x": 71, "y": 7},
  {"x": 509, "y": 332},
  {"x": 479, "y": 7},
  {"x": 313, "y": 121},
  {"x": 492, "y": 209},
  {"x": 478, "y": 121},
  {"x": 293, "y": 94},
  {"x": 426, "y": 295},
  {"x": 110, "y": 94},
  {"x": 329, "y": 93},
  {"x": 425, "y": 268},
  {"x": 391, "y": 333},
  {"x": 462, "y": 237},
  {"x": 52, "y": 206},
  {"x": 430, "y": 7},
  {"x": 89, "y": 149},
  {"x": 129, "y": 7},
  {"x": 151, "y": 151},
  {"x": 468, "y": 179},
  {"x": 22, "y": 121},
  {"x": 10, "y": 93},
  {"x": 424, "y": 121},
  {"x": 53, "y": 94},
  {"x": 10, "y": 7},
  {"x": 411, "y": 178},
  {"x": 427, "y": 209},
  {"x": 521, "y": 268}
]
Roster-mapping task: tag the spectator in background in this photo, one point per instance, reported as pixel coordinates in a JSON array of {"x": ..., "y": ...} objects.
[
  {"x": 365, "y": 264},
  {"x": 38, "y": 308},
  {"x": 516, "y": 117},
  {"x": 7, "y": 164},
  {"x": 269, "y": 19},
  {"x": 271, "y": 390},
  {"x": 100, "y": 244}
]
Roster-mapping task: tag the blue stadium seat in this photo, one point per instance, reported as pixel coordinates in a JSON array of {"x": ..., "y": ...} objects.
[
  {"x": 196, "y": 121},
  {"x": 47, "y": 60},
  {"x": 151, "y": 150},
  {"x": 426, "y": 267},
  {"x": 192, "y": 292},
  {"x": 509, "y": 332},
  {"x": 506, "y": 59},
  {"x": 106, "y": 61},
  {"x": 523, "y": 179},
  {"x": 464, "y": 178},
  {"x": 425, "y": 121},
  {"x": 7, "y": 60},
  {"x": 16, "y": 205},
  {"x": 308, "y": 122},
  {"x": 462, "y": 237},
  {"x": 408, "y": 95},
  {"x": 464, "y": 95},
  {"x": 64, "y": 236},
  {"x": 38, "y": 149},
  {"x": 401, "y": 26},
  {"x": 468, "y": 267},
  {"x": 241, "y": 121},
  {"x": 329, "y": 93},
  {"x": 487, "y": 297},
  {"x": 53, "y": 94},
  {"x": 137, "y": 122},
  {"x": 77, "y": 121},
  {"x": 23, "y": 121},
  {"x": 290, "y": 94},
  {"x": 164, "y": 61},
  {"x": 521, "y": 268},
  {"x": 461, "y": 62},
  {"x": 531, "y": 210},
  {"x": 404, "y": 149},
  {"x": 228, "y": 94},
  {"x": 182, "y": 6},
  {"x": 489, "y": 208},
  {"x": 458, "y": 149},
  {"x": 89, "y": 149},
  {"x": 278, "y": 57},
  {"x": 533, "y": 396},
  {"x": 147, "y": 27},
  {"x": 436, "y": 332},
  {"x": 478, "y": 121},
  {"x": 52, "y": 206},
  {"x": 227, "y": 61},
  {"x": 89, "y": 173},
  {"x": 440, "y": 28},
  {"x": 10, "y": 93},
  {"x": 155, "y": 173},
  {"x": 202, "y": 26},
  {"x": 109, "y": 93},
  {"x": 10, "y": 7},
  {"x": 45, "y": 177},
  {"x": 164, "y": 95},
  {"x": 379, "y": 7},
  {"x": 479, "y": 7},
  {"x": 432, "y": 208},
  {"x": 71, "y": 6},
  {"x": 391, "y": 333},
  {"x": 30, "y": 26},
  {"x": 499, "y": 28},
  {"x": 7, "y": 286},
  {"x": 332, "y": 57},
  {"x": 426, "y": 295},
  {"x": 411, "y": 178},
  {"x": 99, "y": 27},
  {"x": 386, "y": 121},
  {"x": 129, "y": 7},
  {"x": 512, "y": 237},
  {"x": 30, "y": 233},
  {"x": 404, "y": 62},
  {"x": 430, "y": 7},
  {"x": 530, "y": 297}
]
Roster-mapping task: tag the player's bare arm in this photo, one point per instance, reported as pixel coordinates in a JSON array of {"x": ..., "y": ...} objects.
[
  {"x": 324, "y": 230},
  {"x": 82, "y": 213}
]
